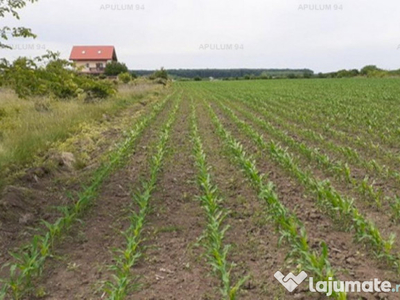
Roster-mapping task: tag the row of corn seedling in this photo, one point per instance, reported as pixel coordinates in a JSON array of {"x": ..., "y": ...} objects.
[
  {"x": 361, "y": 120},
  {"x": 214, "y": 235},
  {"x": 340, "y": 208},
  {"x": 30, "y": 259},
  {"x": 125, "y": 259},
  {"x": 290, "y": 228},
  {"x": 340, "y": 170},
  {"x": 274, "y": 109},
  {"x": 348, "y": 152},
  {"x": 361, "y": 123}
]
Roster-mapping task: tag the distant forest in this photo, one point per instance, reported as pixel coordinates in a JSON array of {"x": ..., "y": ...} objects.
[
  {"x": 230, "y": 73},
  {"x": 235, "y": 74}
]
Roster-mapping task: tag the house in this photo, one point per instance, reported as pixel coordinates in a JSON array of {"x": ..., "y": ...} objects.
[{"x": 92, "y": 59}]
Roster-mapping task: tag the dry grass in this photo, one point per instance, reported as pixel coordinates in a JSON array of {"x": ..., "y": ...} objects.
[{"x": 28, "y": 127}]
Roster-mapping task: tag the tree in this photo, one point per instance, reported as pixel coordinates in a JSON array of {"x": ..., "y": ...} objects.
[
  {"x": 115, "y": 68},
  {"x": 162, "y": 73},
  {"x": 11, "y": 7},
  {"x": 369, "y": 69},
  {"x": 133, "y": 74}
]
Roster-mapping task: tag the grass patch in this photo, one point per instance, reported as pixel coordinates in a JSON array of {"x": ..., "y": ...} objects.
[{"x": 29, "y": 127}]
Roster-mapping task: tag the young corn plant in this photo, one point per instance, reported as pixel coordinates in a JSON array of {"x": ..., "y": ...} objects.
[
  {"x": 214, "y": 235},
  {"x": 291, "y": 230},
  {"x": 340, "y": 208},
  {"x": 347, "y": 152},
  {"x": 340, "y": 170},
  {"x": 30, "y": 260},
  {"x": 122, "y": 282}
]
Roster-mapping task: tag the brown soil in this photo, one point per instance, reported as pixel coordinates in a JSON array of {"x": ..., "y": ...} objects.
[
  {"x": 173, "y": 265},
  {"x": 381, "y": 216},
  {"x": 352, "y": 261}
]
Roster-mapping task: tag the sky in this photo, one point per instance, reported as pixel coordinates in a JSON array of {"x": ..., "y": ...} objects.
[{"x": 148, "y": 34}]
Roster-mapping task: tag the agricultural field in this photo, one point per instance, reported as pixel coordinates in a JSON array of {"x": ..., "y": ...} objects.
[{"x": 205, "y": 190}]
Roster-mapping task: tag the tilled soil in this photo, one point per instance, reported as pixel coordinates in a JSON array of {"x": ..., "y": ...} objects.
[
  {"x": 352, "y": 261},
  {"x": 174, "y": 264}
]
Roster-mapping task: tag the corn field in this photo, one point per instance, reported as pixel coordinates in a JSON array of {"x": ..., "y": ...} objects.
[{"x": 218, "y": 185}]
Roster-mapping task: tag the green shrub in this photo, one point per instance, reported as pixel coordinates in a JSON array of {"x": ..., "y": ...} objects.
[
  {"x": 115, "y": 68},
  {"x": 162, "y": 73},
  {"x": 125, "y": 77},
  {"x": 49, "y": 75}
]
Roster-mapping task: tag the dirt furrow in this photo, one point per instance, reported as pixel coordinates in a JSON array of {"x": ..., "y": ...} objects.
[
  {"x": 174, "y": 268},
  {"x": 255, "y": 248},
  {"x": 352, "y": 261},
  {"x": 380, "y": 216}
]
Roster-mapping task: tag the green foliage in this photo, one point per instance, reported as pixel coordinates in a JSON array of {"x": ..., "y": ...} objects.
[
  {"x": 11, "y": 7},
  {"x": 229, "y": 73},
  {"x": 369, "y": 69},
  {"x": 115, "y": 68},
  {"x": 48, "y": 75},
  {"x": 256, "y": 74},
  {"x": 133, "y": 74},
  {"x": 162, "y": 73},
  {"x": 125, "y": 77}
]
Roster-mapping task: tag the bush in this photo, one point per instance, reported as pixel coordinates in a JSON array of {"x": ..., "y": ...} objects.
[
  {"x": 50, "y": 76},
  {"x": 162, "y": 73},
  {"x": 133, "y": 75},
  {"x": 125, "y": 77},
  {"x": 96, "y": 89},
  {"x": 115, "y": 68}
]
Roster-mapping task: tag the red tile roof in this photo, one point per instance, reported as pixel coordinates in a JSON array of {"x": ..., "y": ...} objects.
[{"x": 93, "y": 53}]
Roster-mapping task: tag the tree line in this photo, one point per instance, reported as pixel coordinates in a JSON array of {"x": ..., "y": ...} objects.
[
  {"x": 248, "y": 74},
  {"x": 228, "y": 73}
]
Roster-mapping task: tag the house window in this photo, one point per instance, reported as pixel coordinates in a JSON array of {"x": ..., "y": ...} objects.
[{"x": 87, "y": 66}]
